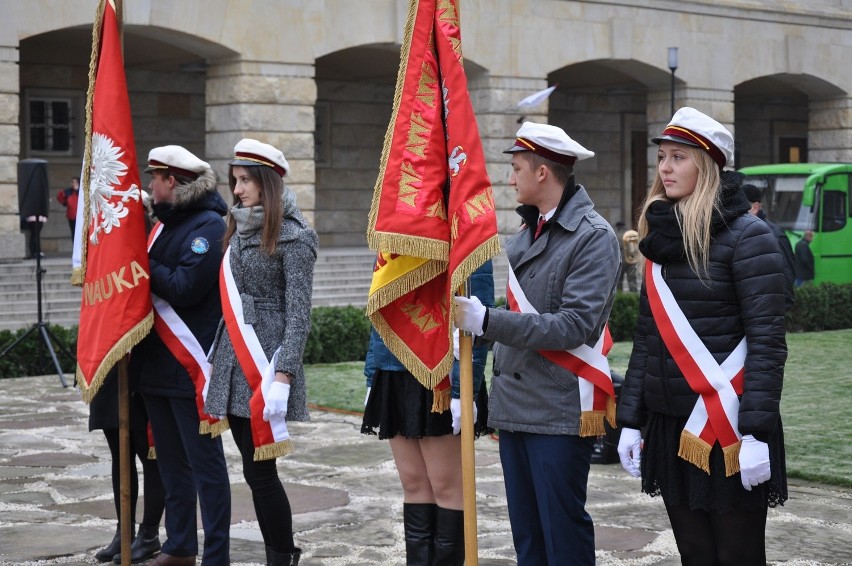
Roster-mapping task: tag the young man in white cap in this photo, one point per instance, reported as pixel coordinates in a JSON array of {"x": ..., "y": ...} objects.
[
  {"x": 185, "y": 252},
  {"x": 564, "y": 263}
]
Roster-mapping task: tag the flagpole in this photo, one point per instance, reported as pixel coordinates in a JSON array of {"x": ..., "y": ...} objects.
[
  {"x": 124, "y": 401},
  {"x": 124, "y": 456},
  {"x": 471, "y": 545}
]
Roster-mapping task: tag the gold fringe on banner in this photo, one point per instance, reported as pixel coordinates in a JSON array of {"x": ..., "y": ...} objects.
[
  {"x": 485, "y": 251},
  {"x": 694, "y": 450},
  {"x": 274, "y": 450},
  {"x": 413, "y": 279},
  {"x": 78, "y": 275},
  {"x": 428, "y": 378},
  {"x": 133, "y": 337},
  {"x": 152, "y": 453}
]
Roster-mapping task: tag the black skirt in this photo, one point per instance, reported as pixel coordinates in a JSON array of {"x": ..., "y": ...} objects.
[
  {"x": 681, "y": 483},
  {"x": 103, "y": 410},
  {"x": 399, "y": 405}
]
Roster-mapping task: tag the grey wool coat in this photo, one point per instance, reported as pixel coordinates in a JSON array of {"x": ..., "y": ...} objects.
[
  {"x": 276, "y": 295},
  {"x": 569, "y": 275}
]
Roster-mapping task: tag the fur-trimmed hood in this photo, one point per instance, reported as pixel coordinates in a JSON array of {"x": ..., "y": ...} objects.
[{"x": 190, "y": 193}]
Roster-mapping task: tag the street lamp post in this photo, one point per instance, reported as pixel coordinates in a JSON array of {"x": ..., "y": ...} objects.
[{"x": 673, "y": 68}]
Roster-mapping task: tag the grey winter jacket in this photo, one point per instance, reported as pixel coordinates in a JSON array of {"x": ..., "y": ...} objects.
[
  {"x": 276, "y": 295},
  {"x": 569, "y": 275}
]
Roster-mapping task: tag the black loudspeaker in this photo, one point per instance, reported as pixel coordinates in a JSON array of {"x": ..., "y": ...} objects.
[{"x": 33, "y": 191}]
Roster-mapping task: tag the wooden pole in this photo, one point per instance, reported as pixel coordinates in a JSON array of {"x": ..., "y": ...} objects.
[
  {"x": 125, "y": 520},
  {"x": 124, "y": 404},
  {"x": 471, "y": 545}
]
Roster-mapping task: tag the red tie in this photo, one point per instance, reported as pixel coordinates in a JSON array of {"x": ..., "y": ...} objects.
[{"x": 538, "y": 227}]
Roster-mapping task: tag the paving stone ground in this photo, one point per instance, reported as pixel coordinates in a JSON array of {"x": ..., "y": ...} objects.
[{"x": 56, "y": 502}]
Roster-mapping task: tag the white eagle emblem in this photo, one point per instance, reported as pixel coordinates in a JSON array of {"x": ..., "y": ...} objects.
[
  {"x": 457, "y": 159},
  {"x": 105, "y": 175}
]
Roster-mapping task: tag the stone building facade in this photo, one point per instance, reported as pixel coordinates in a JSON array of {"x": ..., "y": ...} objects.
[{"x": 316, "y": 79}]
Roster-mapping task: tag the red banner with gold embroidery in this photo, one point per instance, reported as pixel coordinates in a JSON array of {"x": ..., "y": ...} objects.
[
  {"x": 432, "y": 218},
  {"x": 116, "y": 312}
]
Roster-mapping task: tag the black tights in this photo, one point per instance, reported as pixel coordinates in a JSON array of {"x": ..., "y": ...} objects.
[
  {"x": 719, "y": 539},
  {"x": 270, "y": 500},
  {"x": 152, "y": 508}
]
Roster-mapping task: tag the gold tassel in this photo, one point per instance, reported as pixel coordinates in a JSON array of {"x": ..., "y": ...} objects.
[
  {"x": 732, "y": 458},
  {"x": 152, "y": 453},
  {"x": 274, "y": 450},
  {"x": 592, "y": 423},
  {"x": 694, "y": 450},
  {"x": 440, "y": 400}
]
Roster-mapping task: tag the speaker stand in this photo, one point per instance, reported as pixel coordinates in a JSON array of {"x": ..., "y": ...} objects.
[{"x": 41, "y": 326}]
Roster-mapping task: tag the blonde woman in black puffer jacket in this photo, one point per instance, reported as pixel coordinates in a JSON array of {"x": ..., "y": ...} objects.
[{"x": 704, "y": 379}]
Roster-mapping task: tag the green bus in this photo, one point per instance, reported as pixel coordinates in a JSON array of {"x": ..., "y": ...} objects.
[{"x": 811, "y": 196}]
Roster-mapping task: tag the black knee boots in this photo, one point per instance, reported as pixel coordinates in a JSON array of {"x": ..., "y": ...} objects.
[
  {"x": 144, "y": 546},
  {"x": 282, "y": 558},
  {"x": 448, "y": 546},
  {"x": 419, "y": 522},
  {"x": 106, "y": 554}
]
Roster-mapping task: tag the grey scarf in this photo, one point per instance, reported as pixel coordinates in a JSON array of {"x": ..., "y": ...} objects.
[{"x": 249, "y": 220}]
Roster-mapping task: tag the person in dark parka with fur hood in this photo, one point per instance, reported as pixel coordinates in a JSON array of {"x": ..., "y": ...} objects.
[
  {"x": 704, "y": 379},
  {"x": 185, "y": 253}
]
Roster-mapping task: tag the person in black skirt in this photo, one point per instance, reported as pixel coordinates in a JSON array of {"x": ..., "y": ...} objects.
[
  {"x": 426, "y": 445},
  {"x": 704, "y": 379},
  {"x": 103, "y": 414}
]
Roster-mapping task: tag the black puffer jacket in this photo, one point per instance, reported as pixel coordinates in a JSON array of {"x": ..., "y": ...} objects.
[{"x": 743, "y": 296}]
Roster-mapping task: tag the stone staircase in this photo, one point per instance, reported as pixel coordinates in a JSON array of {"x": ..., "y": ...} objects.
[{"x": 341, "y": 277}]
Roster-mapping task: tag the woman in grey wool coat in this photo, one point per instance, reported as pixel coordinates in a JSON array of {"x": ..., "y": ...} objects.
[{"x": 270, "y": 259}]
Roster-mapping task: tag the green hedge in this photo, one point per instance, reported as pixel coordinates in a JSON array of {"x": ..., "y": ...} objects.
[
  {"x": 341, "y": 334},
  {"x": 827, "y": 306},
  {"x": 338, "y": 334},
  {"x": 31, "y": 357}
]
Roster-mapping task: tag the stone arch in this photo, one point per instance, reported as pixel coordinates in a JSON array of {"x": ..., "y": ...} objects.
[
  {"x": 355, "y": 90},
  {"x": 603, "y": 104},
  {"x": 783, "y": 118},
  {"x": 166, "y": 76}
]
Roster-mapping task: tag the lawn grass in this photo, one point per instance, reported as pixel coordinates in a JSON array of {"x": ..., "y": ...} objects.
[{"x": 814, "y": 406}]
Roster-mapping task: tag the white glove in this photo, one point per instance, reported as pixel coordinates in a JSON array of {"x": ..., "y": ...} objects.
[
  {"x": 456, "y": 343},
  {"x": 754, "y": 462},
  {"x": 630, "y": 451},
  {"x": 470, "y": 314},
  {"x": 455, "y": 410},
  {"x": 276, "y": 400},
  {"x": 366, "y": 397}
]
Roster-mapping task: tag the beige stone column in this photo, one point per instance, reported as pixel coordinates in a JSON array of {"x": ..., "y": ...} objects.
[
  {"x": 11, "y": 239},
  {"x": 830, "y": 130},
  {"x": 495, "y": 101},
  {"x": 271, "y": 102}
]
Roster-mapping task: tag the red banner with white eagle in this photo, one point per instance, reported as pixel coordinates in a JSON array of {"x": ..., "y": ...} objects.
[
  {"x": 432, "y": 219},
  {"x": 116, "y": 311}
]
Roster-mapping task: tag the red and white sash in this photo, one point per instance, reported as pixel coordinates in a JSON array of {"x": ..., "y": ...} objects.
[
  {"x": 271, "y": 439},
  {"x": 715, "y": 415},
  {"x": 597, "y": 396},
  {"x": 184, "y": 346}
]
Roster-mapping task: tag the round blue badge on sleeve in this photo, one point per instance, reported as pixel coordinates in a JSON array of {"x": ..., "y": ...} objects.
[{"x": 200, "y": 245}]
